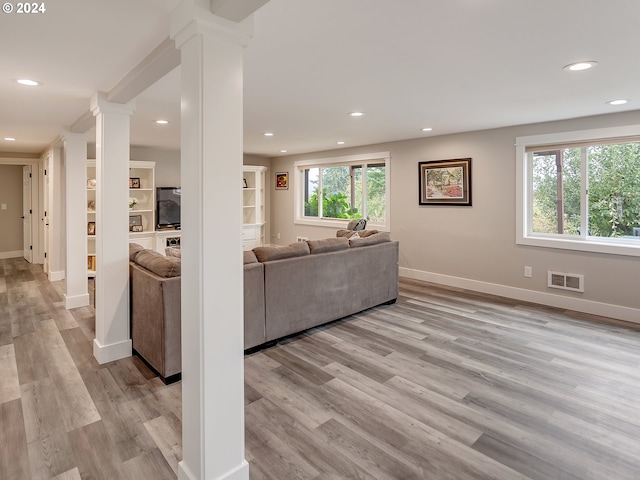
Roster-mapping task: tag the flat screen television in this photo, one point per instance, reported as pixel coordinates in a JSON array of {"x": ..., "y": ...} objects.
[{"x": 168, "y": 207}]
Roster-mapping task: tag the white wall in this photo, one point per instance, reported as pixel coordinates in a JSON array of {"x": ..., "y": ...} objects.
[{"x": 474, "y": 247}]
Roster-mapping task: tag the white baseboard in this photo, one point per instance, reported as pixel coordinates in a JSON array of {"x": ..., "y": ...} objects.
[
  {"x": 56, "y": 276},
  {"x": 14, "y": 254},
  {"x": 110, "y": 353},
  {"x": 76, "y": 301},
  {"x": 239, "y": 473},
  {"x": 618, "y": 312}
]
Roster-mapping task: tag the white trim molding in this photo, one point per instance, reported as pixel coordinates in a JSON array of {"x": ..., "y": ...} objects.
[
  {"x": 56, "y": 275},
  {"x": 76, "y": 301},
  {"x": 618, "y": 312},
  {"x": 12, "y": 254},
  {"x": 109, "y": 353}
]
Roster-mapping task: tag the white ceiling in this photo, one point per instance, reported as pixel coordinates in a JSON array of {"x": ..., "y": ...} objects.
[{"x": 453, "y": 65}]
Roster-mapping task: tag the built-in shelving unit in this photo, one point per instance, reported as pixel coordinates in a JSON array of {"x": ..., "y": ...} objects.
[
  {"x": 141, "y": 215},
  {"x": 253, "y": 206}
]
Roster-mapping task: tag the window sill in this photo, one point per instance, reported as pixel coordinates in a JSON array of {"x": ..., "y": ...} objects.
[
  {"x": 337, "y": 223},
  {"x": 621, "y": 246}
]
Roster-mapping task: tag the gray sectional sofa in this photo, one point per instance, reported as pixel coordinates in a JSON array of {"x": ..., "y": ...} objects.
[{"x": 286, "y": 291}]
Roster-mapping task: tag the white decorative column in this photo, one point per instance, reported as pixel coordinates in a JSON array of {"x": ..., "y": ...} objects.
[
  {"x": 75, "y": 173},
  {"x": 112, "y": 340},
  {"x": 212, "y": 286},
  {"x": 54, "y": 218}
]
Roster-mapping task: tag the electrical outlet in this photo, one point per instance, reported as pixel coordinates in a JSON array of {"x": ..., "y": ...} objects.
[{"x": 528, "y": 272}]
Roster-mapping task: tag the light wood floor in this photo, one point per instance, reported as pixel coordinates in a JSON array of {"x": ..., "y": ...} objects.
[{"x": 442, "y": 385}]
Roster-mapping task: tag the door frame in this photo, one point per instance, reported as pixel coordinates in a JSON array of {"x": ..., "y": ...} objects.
[{"x": 37, "y": 229}]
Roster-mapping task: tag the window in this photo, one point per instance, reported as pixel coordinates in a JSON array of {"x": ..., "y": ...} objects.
[
  {"x": 581, "y": 191},
  {"x": 337, "y": 190}
]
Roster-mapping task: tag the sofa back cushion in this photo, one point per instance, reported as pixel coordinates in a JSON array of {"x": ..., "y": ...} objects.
[
  {"x": 277, "y": 252},
  {"x": 159, "y": 264},
  {"x": 248, "y": 257},
  {"x": 352, "y": 233},
  {"x": 379, "y": 237},
  {"x": 327, "y": 245},
  {"x": 134, "y": 249}
]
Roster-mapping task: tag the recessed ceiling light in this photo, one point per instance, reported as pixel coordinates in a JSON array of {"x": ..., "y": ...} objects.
[
  {"x": 268, "y": 134},
  {"x": 9, "y": 139},
  {"x": 578, "y": 66},
  {"x": 162, "y": 122},
  {"x": 617, "y": 102},
  {"x": 340, "y": 142},
  {"x": 356, "y": 114},
  {"x": 427, "y": 129},
  {"x": 29, "y": 83},
  {"x": 283, "y": 151}
]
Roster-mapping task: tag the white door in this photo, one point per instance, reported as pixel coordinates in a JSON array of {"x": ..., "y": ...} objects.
[
  {"x": 26, "y": 213},
  {"x": 45, "y": 219}
]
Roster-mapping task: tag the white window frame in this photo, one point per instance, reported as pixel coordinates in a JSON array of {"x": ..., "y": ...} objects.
[
  {"x": 362, "y": 159},
  {"x": 524, "y": 194}
]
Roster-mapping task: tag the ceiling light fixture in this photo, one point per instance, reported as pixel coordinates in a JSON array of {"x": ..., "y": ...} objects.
[
  {"x": 621, "y": 101},
  {"x": 9, "y": 139},
  {"x": 427, "y": 129},
  {"x": 579, "y": 66},
  {"x": 268, "y": 134},
  {"x": 283, "y": 151},
  {"x": 27, "y": 82},
  {"x": 356, "y": 114},
  {"x": 340, "y": 142},
  {"x": 162, "y": 122}
]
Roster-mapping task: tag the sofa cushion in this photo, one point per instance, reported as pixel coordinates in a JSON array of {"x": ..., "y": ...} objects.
[
  {"x": 379, "y": 237},
  {"x": 328, "y": 245},
  {"x": 277, "y": 252},
  {"x": 351, "y": 233},
  {"x": 159, "y": 264},
  {"x": 249, "y": 257},
  {"x": 134, "y": 248}
]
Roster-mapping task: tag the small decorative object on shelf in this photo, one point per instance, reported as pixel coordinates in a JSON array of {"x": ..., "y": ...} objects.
[
  {"x": 91, "y": 228},
  {"x": 135, "y": 221},
  {"x": 136, "y": 228},
  {"x": 133, "y": 201},
  {"x": 91, "y": 206},
  {"x": 91, "y": 183},
  {"x": 134, "y": 182},
  {"x": 244, "y": 183}
]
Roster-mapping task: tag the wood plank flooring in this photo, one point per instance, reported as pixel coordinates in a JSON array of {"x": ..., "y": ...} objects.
[{"x": 444, "y": 384}]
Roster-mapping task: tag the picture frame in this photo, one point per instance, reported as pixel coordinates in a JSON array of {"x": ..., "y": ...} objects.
[
  {"x": 445, "y": 182},
  {"x": 91, "y": 183},
  {"x": 136, "y": 228},
  {"x": 91, "y": 228},
  {"x": 91, "y": 206},
  {"x": 282, "y": 180},
  {"x": 135, "y": 221},
  {"x": 134, "y": 182}
]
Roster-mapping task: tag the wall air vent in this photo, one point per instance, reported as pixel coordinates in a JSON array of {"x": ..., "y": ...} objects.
[{"x": 565, "y": 281}]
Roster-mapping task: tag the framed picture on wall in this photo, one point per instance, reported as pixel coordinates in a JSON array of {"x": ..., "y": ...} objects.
[
  {"x": 282, "y": 180},
  {"x": 135, "y": 221},
  {"x": 445, "y": 182}
]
